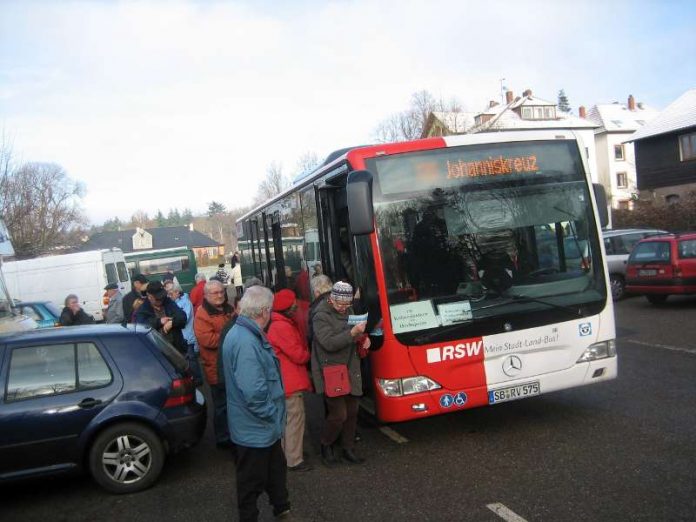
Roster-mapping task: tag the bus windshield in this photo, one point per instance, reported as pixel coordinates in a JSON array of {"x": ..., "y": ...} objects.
[{"x": 482, "y": 238}]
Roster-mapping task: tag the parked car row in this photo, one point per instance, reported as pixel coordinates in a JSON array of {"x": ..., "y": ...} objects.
[
  {"x": 112, "y": 400},
  {"x": 618, "y": 244}
]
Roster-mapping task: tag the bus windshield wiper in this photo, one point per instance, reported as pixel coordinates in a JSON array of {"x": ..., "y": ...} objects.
[
  {"x": 519, "y": 298},
  {"x": 426, "y": 337}
]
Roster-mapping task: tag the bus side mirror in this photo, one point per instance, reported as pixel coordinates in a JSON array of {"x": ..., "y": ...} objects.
[
  {"x": 601, "y": 199},
  {"x": 360, "y": 209}
]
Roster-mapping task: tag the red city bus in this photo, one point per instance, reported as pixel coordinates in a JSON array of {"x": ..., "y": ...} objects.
[{"x": 478, "y": 260}]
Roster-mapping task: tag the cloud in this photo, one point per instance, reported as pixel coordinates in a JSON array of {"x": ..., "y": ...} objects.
[{"x": 174, "y": 104}]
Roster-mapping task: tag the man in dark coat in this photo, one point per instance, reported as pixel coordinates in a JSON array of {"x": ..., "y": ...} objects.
[
  {"x": 139, "y": 283},
  {"x": 73, "y": 314},
  {"x": 163, "y": 314}
]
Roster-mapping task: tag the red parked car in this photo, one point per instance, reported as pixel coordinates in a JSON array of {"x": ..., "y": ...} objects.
[{"x": 660, "y": 266}]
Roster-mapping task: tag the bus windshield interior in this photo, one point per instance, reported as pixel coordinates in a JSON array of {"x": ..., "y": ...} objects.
[{"x": 464, "y": 241}]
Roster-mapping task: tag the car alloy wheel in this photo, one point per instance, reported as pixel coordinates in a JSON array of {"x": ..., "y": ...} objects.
[
  {"x": 618, "y": 287},
  {"x": 126, "y": 458}
]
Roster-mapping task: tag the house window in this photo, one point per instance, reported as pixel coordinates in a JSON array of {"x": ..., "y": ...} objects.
[
  {"x": 549, "y": 113},
  {"x": 621, "y": 180},
  {"x": 619, "y": 152},
  {"x": 687, "y": 146},
  {"x": 527, "y": 113}
]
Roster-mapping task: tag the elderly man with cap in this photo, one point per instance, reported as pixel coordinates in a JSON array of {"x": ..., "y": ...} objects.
[
  {"x": 334, "y": 343},
  {"x": 291, "y": 349},
  {"x": 139, "y": 283},
  {"x": 113, "y": 313},
  {"x": 163, "y": 314}
]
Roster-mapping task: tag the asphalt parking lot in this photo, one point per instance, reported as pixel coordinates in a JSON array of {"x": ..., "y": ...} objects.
[{"x": 619, "y": 450}]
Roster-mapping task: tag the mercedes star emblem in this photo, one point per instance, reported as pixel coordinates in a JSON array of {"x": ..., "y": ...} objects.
[{"x": 512, "y": 366}]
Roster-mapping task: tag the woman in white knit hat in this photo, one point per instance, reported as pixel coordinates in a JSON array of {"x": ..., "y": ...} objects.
[{"x": 334, "y": 344}]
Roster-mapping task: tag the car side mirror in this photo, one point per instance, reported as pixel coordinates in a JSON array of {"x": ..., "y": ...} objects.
[
  {"x": 360, "y": 208},
  {"x": 601, "y": 199}
]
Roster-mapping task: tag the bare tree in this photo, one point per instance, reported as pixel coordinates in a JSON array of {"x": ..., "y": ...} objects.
[
  {"x": 410, "y": 123},
  {"x": 273, "y": 184},
  {"x": 140, "y": 219},
  {"x": 306, "y": 163},
  {"x": 40, "y": 205}
]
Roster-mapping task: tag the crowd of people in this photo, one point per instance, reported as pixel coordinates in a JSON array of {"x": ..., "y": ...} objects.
[{"x": 258, "y": 355}]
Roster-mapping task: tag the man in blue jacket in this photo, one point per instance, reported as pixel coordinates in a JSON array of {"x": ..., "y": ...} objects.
[{"x": 255, "y": 407}]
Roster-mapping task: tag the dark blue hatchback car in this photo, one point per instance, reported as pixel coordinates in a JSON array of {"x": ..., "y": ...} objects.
[{"x": 113, "y": 400}]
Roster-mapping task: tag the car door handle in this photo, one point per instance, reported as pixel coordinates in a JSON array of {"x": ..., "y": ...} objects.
[{"x": 89, "y": 403}]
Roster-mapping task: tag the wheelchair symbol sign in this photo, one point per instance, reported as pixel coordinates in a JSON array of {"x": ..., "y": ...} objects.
[{"x": 460, "y": 399}]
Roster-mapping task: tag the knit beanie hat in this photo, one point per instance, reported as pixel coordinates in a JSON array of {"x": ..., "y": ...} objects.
[{"x": 342, "y": 293}]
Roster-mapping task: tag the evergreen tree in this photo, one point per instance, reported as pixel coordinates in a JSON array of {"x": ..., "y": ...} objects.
[
  {"x": 112, "y": 225},
  {"x": 187, "y": 216},
  {"x": 160, "y": 220},
  {"x": 563, "y": 104}
]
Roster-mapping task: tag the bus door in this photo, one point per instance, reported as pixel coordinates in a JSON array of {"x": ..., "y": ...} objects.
[
  {"x": 334, "y": 236},
  {"x": 276, "y": 238}
]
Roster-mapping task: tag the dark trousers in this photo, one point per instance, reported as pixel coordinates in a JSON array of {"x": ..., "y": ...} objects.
[
  {"x": 259, "y": 470},
  {"x": 341, "y": 419},
  {"x": 222, "y": 430}
]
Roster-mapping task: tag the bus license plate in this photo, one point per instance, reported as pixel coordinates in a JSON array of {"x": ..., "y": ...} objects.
[
  {"x": 512, "y": 393},
  {"x": 647, "y": 272}
]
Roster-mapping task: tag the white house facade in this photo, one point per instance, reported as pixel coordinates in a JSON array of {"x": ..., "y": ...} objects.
[{"x": 616, "y": 162}]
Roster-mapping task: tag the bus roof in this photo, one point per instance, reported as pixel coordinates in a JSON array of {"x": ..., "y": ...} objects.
[{"x": 338, "y": 156}]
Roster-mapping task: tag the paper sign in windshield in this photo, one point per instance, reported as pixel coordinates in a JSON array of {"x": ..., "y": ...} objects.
[
  {"x": 452, "y": 313},
  {"x": 410, "y": 317}
]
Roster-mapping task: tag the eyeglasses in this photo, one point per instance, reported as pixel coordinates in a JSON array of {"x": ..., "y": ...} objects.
[{"x": 219, "y": 292}]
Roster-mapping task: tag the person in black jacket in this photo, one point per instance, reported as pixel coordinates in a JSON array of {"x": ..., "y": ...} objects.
[
  {"x": 163, "y": 314},
  {"x": 73, "y": 314},
  {"x": 139, "y": 283}
]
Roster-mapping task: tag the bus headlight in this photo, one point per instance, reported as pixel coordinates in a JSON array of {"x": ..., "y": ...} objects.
[
  {"x": 599, "y": 351},
  {"x": 407, "y": 386}
]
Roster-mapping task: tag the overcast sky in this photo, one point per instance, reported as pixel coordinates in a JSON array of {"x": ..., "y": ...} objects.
[{"x": 167, "y": 104}]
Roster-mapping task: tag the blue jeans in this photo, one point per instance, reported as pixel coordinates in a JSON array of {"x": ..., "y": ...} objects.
[{"x": 194, "y": 365}]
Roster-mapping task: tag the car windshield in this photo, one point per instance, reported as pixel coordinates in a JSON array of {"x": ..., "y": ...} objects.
[
  {"x": 651, "y": 252},
  {"x": 476, "y": 233}
]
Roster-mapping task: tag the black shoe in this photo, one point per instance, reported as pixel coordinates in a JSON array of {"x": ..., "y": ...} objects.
[
  {"x": 282, "y": 512},
  {"x": 328, "y": 457},
  {"x": 302, "y": 466},
  {"x": 350, "y": 456}
]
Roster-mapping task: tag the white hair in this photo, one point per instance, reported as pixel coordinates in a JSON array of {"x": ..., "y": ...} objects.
[
  {"x": 320, "y": 284},
  {"x": 211, "y": 285},
  {"x": 173, "y": 285},
  {"x": 200, "y": 277},
  {"x": 256, "y": 299}
]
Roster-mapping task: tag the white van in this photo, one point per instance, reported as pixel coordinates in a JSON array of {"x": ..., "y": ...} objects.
[{"x": 52, "y": 278}]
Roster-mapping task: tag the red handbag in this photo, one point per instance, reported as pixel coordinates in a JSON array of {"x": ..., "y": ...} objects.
[{"x": 336, "y": 380}]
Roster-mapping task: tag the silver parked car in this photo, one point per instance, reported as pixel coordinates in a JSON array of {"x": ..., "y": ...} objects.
[{"x": 618, "y": 244}]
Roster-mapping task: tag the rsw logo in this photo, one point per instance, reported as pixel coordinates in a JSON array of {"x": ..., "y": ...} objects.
[{"x": 457, "y": 351}]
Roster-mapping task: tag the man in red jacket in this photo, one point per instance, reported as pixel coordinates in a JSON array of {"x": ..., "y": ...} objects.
[
  {"x": 291, "y": 349},
  {"x": 212, "y": 315}
]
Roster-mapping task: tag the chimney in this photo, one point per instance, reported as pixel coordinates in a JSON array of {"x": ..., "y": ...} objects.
[
  {"x": 631, "y": 103},
  {"x": 582, "y": 112},
  {"x": 492, "y": 104},
  {"x": 509, "y": 97},
  {"x": 190, "y": 227},
  {"x": 527, "y": 93}
]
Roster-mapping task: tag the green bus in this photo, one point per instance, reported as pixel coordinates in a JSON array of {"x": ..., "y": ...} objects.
[{"x": 154, "y": 264}]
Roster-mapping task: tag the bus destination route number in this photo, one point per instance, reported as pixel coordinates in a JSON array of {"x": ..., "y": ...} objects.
[{"x": 512, "y": 393}]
